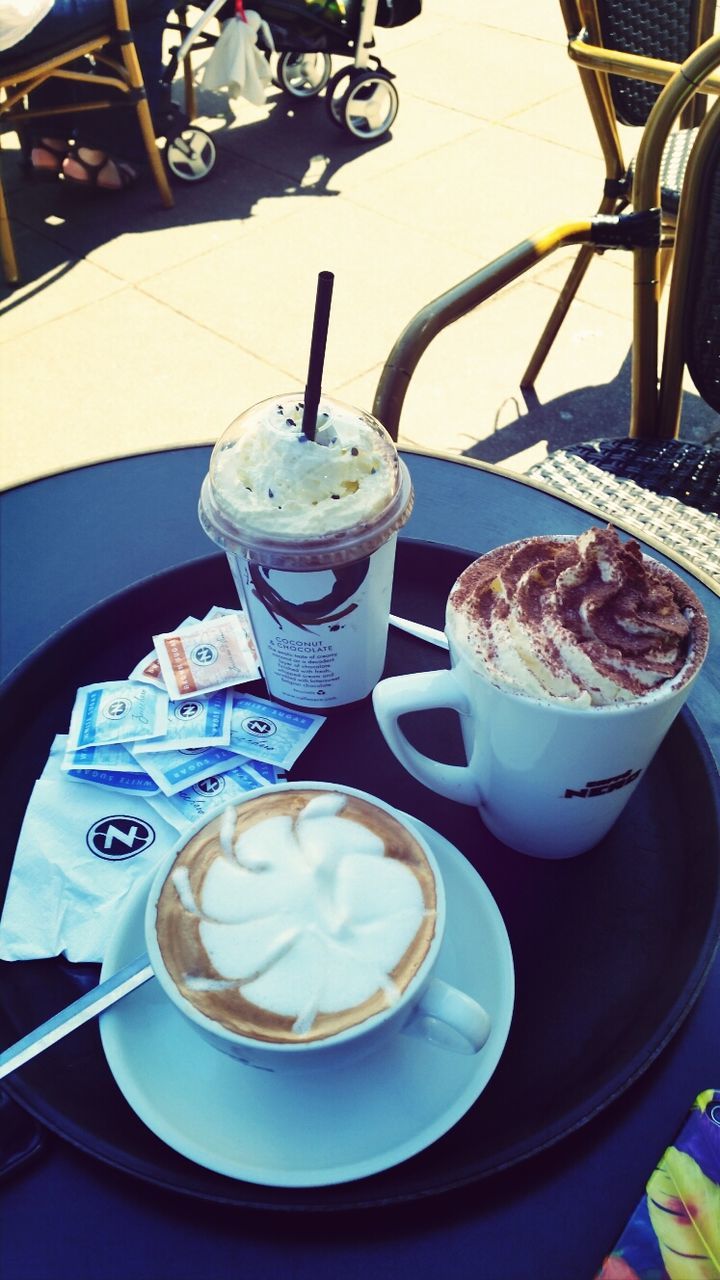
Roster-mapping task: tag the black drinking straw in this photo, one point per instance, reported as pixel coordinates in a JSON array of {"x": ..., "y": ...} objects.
[{"x": 321, "y": 320}]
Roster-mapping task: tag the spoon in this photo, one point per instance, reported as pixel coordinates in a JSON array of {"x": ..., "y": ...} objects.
[
  {"x": 131, "y": 975},
  {"x": 420, "y": 630}
]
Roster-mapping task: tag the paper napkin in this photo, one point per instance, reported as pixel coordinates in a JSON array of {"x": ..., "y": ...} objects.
[{"x": 82, "y": 850}]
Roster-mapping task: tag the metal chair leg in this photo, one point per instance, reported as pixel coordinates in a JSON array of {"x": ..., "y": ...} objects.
[
  {"x": 134, "y": 73},
  {"x": 557, "y": 315},
  {"x": 154, "y": 157},
  {"x": 7, "y": 249},
  {"x": 462, "y": 298}
]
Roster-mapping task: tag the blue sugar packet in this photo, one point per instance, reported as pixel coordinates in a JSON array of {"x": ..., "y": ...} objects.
[
  {"x": 113, "y": 757},
  {"x": 117, "y": 711},
  {"x": 106, "y": 766},
  {"x": 176, "y": 770},
  {"x": 263, "y": 730},
  {"x": 194, "y": 722},
  {"x": 139, "y": 783},
  {"x": 266, "y": 773},
  {"x": 209, "y": 796}
]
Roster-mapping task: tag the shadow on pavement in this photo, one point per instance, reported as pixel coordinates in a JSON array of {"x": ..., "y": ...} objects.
[
  {"x": 587, "y": 413},
  {"x": 292, "y": 152}
]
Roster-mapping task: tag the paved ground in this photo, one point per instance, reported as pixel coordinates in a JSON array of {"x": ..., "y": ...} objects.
[{"x": 137, "y": 328}]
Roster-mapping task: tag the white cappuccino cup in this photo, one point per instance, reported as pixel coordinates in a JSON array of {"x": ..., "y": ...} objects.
[{"x": 317, "y": 869}]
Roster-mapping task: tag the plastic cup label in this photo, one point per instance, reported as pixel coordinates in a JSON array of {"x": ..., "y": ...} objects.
[{"x": 322, "y": 634}]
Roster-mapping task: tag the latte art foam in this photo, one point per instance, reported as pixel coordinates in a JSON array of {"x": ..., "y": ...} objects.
[{"x": 297, "y": 916}]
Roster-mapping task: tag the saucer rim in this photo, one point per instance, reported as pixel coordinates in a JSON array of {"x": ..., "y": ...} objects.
[{"x": 335, "y": 1174}]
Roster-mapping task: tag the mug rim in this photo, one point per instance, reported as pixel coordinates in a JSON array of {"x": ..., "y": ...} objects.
[{"x": 350, "y": 1034}]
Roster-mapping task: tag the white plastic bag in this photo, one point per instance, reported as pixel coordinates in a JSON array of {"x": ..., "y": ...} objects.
[{"x": 237, "y": 63}]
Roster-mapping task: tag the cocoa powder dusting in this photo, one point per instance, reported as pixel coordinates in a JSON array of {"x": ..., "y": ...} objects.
[{"x": 628, "y": 618}]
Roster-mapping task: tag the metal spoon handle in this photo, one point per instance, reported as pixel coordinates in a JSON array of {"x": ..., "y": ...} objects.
[
  {"x": 420, "y": 630},
  {"x": 88, "y": 1006}
]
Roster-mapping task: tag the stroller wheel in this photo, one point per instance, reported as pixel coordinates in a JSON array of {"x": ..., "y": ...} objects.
[
  {"x": 370, "y": 105},
  {"x": 335, "y": 92},
  {"x": 303, "y": 75},
  {"x": 191, "y": 155}
]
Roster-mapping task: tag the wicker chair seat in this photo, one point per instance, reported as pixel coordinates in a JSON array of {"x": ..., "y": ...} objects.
[{"x": 668, "y": 490}]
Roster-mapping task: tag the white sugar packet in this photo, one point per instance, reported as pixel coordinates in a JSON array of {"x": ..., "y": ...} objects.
[
  {"x": 174, "y": 771},
  {"x": 105, "y": 766},
  {"x": 116, "y": 711},
  {"x": 193, "y": 722},
  {"x": 211, "y": 794},
  {"x": 263, "y": 730},
  {"x": 81, "y": 853},
  {"x": 213, "y": 654}
]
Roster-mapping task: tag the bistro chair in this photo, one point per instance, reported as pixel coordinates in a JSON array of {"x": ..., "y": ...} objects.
[
  {"x": 692, "y": 329},
  {"x": 613, "y": 42},
  {"x": 20, "y": 76}
]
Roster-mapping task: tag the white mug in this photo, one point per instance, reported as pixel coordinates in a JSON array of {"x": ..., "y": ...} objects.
[
  {"x": 548, "y": 779},
  {"x": 428, "y": 1007}
]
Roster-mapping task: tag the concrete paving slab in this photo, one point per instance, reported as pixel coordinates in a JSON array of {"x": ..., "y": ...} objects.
[
  {"x": 305, "y": 145},
  {"x": 541, "y": 19},
  {"x": 268, "y": 286},
  {"x": 486, "y": 191},
  {"x": 564, "y": 119},
  {"x": 134, "y": 236},
  {"x": 122, "y": 375},
  {"x": 608, "y": 283},
  {"x": 172, "y": 322},
  {"x": 466, "y": 386},
  {"x": 55, "y": 284},
  {"x": 492, "y": 76}
]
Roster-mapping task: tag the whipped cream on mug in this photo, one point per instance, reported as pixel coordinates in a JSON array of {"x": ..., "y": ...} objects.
[
  {"x": 297, "y": 915},
  {"x": 586, "y": 620}
]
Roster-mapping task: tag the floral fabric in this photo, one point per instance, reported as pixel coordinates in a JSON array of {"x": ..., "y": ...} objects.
[{"x": 674, "y": 1233}]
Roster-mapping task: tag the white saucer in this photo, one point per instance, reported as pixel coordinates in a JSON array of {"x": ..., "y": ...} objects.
[{"x": 326, "y": 1128}]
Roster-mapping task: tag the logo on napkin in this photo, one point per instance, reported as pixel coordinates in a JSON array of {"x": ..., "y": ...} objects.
[{"x": 119, "y": 837}]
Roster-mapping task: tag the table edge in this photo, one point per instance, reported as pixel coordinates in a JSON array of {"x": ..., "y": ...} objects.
[{"x": 627, "y": 526}]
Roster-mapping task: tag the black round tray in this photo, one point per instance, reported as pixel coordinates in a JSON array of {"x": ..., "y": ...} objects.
[{"x": 611, "y": 948}]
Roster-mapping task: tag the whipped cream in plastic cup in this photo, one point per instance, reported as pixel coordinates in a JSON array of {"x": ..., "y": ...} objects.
[
  {"x": 310, "y": 528},
  {"x": 550, "y": 770}
]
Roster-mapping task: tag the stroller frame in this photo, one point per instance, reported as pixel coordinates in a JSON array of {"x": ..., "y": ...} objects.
[{"x": 360, "y": 98}]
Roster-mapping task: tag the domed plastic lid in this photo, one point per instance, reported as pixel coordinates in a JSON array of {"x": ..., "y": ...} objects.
[{"x": 286, "y": 501}]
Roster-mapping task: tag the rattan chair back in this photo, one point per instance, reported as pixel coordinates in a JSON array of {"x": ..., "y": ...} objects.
[{"x": 662, "y": 29}]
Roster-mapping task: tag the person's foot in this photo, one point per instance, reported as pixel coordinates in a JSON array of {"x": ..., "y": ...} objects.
[
  {"x": 46, "y": 159},
  {"x": 88, "y": 167}
]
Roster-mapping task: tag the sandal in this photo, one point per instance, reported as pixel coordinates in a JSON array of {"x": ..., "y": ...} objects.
[
  {"x": 59, "y": 152},
  {"x": 127, "y": 175}
]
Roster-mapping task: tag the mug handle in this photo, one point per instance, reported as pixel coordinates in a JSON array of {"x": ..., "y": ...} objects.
[
  {"x": 423, "y": 691},
  {"x": 449, "y": 1018}
]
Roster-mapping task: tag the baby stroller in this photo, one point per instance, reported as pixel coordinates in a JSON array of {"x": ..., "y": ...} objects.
[{"x": 360, "y": 98}]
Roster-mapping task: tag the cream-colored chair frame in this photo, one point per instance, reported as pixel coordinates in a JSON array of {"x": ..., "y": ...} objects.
[
  {"x": 655, "y": 410},
  {"x": 125, "y": 77},
  {"x": 595, "y": 64}
]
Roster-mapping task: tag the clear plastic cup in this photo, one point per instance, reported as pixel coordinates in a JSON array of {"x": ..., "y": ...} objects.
[{"x": 309, "y": 528}]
